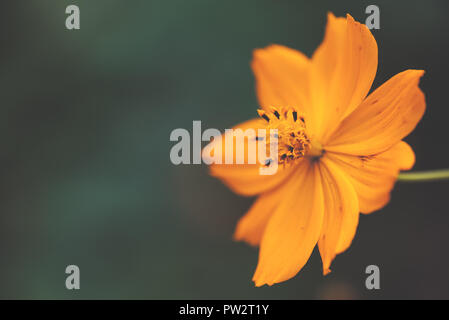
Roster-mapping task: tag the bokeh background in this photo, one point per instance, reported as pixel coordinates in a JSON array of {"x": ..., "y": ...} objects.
[{"x": 85, "y": 174}]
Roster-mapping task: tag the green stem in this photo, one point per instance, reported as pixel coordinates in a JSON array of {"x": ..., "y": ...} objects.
[{"x": 442, "y": 174}]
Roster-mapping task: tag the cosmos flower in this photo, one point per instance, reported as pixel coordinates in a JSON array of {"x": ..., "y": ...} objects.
[{"x": 340, "y": 149}]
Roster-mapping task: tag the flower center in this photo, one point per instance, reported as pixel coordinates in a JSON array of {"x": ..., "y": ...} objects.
[{"x": 293, "y": 142}]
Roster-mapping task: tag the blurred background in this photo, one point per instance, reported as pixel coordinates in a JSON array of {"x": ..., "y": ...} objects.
[{"x": 85, "y": 174}]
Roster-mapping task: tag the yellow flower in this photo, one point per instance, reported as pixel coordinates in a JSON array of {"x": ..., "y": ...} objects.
[{"x": 340, "y": 150}]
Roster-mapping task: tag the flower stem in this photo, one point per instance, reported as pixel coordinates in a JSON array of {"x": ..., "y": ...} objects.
[{"x": 433, "y": 175}]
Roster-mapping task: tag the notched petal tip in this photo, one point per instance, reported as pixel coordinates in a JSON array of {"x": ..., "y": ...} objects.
[
  {"x": 330, "y": 15},
  {"x": 259, "y": 53},
  {"x": 260, "y": 284},
  {"x": 351, "y": 21},
  {"x": 414, "y": 75},
  {"x": 415, "y": 72},
  {"x": 240, "y": 236},
  {"x": 273, "y": 52},
  {"x": 259, "y": 281}
]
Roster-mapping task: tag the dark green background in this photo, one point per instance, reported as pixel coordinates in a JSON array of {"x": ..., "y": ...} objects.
[{"x": 85, "y": 174}]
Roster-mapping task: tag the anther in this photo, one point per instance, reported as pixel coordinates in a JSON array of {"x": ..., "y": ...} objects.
[{"x": 290, "y": 134}]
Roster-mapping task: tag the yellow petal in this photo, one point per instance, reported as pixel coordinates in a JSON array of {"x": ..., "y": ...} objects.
[
  {"x": 373, "y": 177},
  {"x": 251, "y": 226},
  {"x": 281, "y": 77},
  {"x": 388, "y": 115},
  {"x": 293, "y": 229},
  {"x": 342, "y": 72},
  {"x": 341, "y": 213},
  {"x": 245, "y": 179}
]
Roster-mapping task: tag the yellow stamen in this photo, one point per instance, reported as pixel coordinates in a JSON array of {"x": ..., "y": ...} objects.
[{"x": 293, "y": 142}]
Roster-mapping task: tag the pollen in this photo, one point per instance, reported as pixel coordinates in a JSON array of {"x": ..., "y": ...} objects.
[{"x": 292, "y": 139}]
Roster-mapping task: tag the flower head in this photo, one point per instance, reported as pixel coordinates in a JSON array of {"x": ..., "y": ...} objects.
[{"x": 340, "y": 151}]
